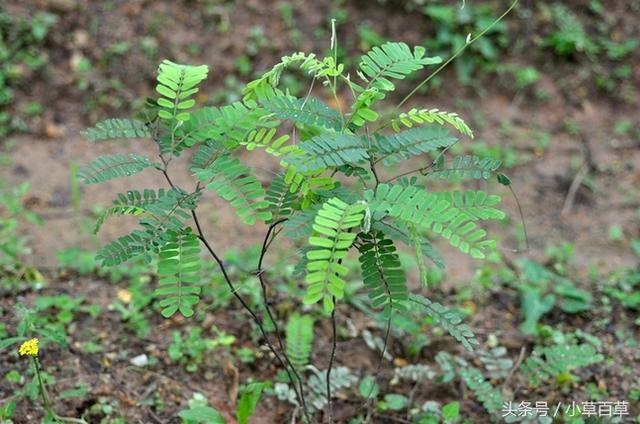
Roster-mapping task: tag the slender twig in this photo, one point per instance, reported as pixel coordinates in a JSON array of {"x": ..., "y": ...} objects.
[
  {"x": 523, "y": 351},
  {"x": 234, "y": 290},
  {"x": 455, "y": 55},
  {"x": 412, "y": 395},
  {"x": 45, "y": 397},
  {"x": 524, "y": 223},
  {"x": 372, "y": 160},
  {"x": 244, "y": 304},
  {"x": 165, "y": 171},
  {"x": 425, "y": 168},
  {"x": 379, "y": 367},
  {"x": 265, "y": 246},
  {"x": 391, "y": 418},
  {"x": 573, "y": 189},
  {"x": 373, "y": 171},
  {"x": 334, "y": 343}
]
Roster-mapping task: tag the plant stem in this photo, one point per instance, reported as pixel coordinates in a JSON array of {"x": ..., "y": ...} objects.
[
  {"x": 234, "y": 292},
  {"x": 424, "y": 168},
  {"x": 244, "y": 304},
  {"x": 45, "y": 397},
  {"x": 334, "y": 343},
  {"x": 455, "y": 55},
  {"x": 265, "y": 245},
  {"x": 43, "y": 392}
]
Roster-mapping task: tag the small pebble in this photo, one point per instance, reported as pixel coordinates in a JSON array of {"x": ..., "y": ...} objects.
[{"x": 139, "y": 361}]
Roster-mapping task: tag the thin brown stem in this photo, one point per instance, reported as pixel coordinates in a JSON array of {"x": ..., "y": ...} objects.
[
  {"x": 424, "y": 168},
  {"x": 334, "y": 343},
  {"x": 234, "y": 292},
  {"x": 455, "y": 55},
  {"x": 45, "y": 397},
  {"x": 260, "y": 273},
  {"x": 244, "y": 304}
]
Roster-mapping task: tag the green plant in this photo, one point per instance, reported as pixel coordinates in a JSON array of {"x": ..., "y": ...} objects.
[
  {"x": 541, "y": 289},
  {"x": 20, "y": 55},
  {"x": 31, "y": 349},
  {"x": 453, "y": 23},
  {"x": 299, "y": 339},
  {"x": 200, "y": 412},
  {"x": 191, "y": 349},
  {"x": 558, "y": 361},
  {"x": 317, "y": 393},
  {"x": 35, "y": 325},
  {"x": 569, "y": 36},
  {"x": 371, "y": 212},
  {"x": 624, "y": 286},
  {"x": 13, "y": 246}
]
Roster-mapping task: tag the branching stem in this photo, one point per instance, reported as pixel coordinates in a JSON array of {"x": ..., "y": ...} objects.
[
  {"x": 265, "y": 246},
  {"x": 244, "y": 304},
  {"x": 283, "y": 362}
]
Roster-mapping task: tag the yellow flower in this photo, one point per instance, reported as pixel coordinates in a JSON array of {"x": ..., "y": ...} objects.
[
  {"x": 124, "y": 296},
  {"x": 29, "y": 348}
]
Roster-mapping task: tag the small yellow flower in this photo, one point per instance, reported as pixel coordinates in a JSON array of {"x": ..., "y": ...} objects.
[
  {"x": 29, "y": 348},
  {"x": 124, "y": 296}
]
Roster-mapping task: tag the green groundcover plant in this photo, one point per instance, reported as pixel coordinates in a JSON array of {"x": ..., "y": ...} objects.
[{"x": 339, "y": 191}]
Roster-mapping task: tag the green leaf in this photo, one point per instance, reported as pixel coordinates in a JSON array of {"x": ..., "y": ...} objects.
[
  {"x": 417, "y": 117},
  {"x": 401, "y": 232},
  {"x": 448, "y": 319},
  {"x": 178, "y": 272},
  {"x": 451, "y": 411},
  {"x": 416, "y": 141},
  {"x": 466, "y": 167},
  {"x": 534, "y": 306},
  {"x": 391, "y": 60},
  {"x": 299, "y": 339},
  {"x": 265, "y": 87},
  {"x": 109, "y": 167},
  {"x": 78, "y": 391},
  {"x": 281, "y": 201},
  {"x": 307, "y": 111},
  {"x": 250, "y": 394},
  {"x": 229, "y": 126},
  {"x": 382, "y": 273},
  {"x": 160, "y": 205},
  {"x": 124, "y": 248},
  {"x": 235, "y": 183},
  {"x": 368, "y": 388},
  {"x": 396, "y": 402},
  {"x": 202, "y": 414},
  {"x": 548, "y": 362},
  {"x": 175, "y": 84},
  {"x": 504, "y": 180},
  {"x": 111, "y": 129},
  {"x": 332, "y": 239},
  {"x": 450, "y": 215},
  {"x": 327, "y": 151}
]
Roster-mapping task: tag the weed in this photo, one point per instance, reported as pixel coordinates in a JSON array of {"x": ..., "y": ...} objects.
[
  {"x": 20, "y": 55},
  {"x": 370, "y": 214},
  {"x": 13, "y": 246},
  {"x": 190, "y": 350},
  {"x": 569, "y": 37},
  {"x": 453, "y": 23}
]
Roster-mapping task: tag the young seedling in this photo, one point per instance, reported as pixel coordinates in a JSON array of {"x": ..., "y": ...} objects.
[{"x": 335, "y": 190}]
